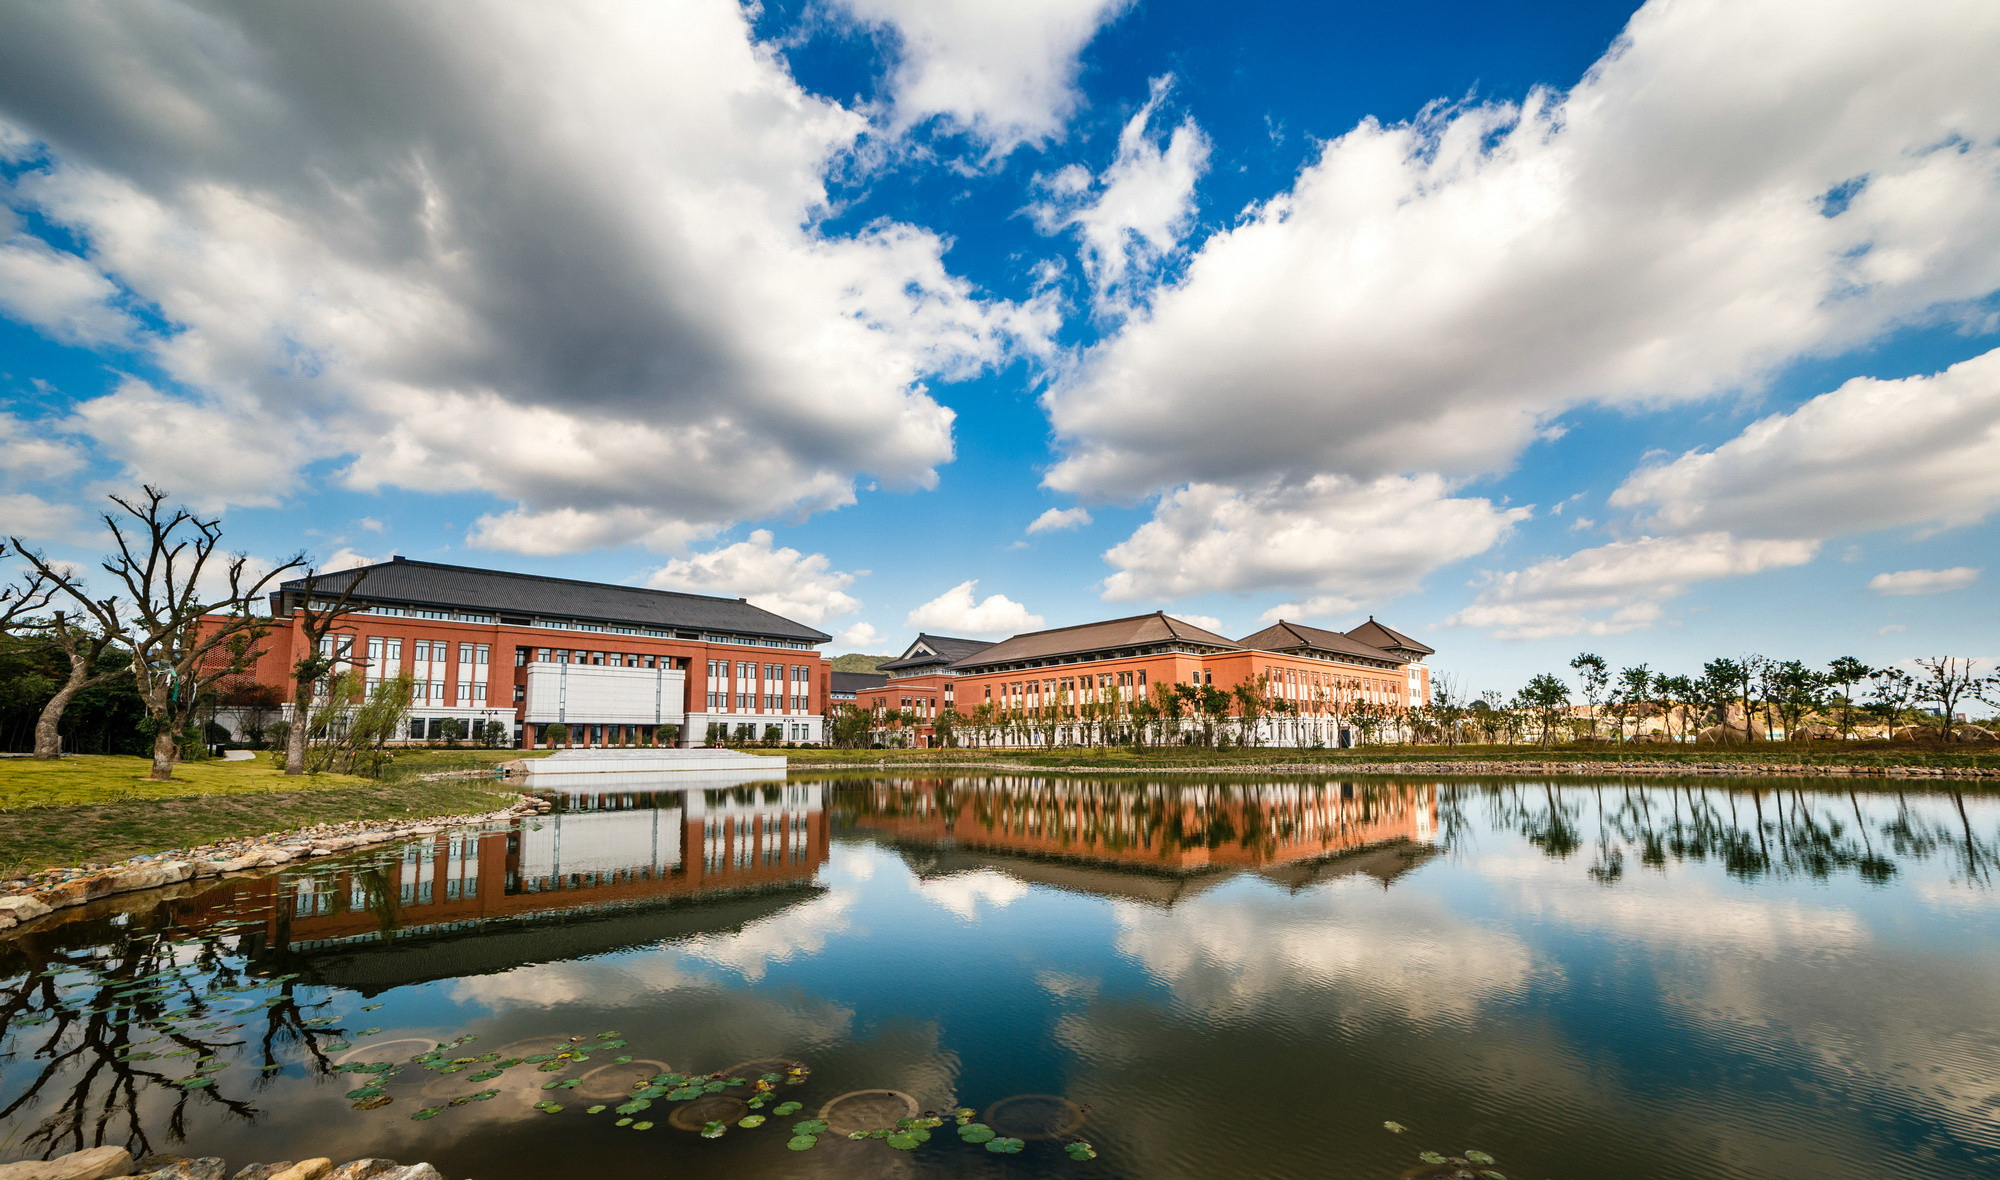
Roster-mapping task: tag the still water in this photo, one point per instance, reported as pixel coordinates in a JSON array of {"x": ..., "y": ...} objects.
[{"x": 1200, "y": 977}]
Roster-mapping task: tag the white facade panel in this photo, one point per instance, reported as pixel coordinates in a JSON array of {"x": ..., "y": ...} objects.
[
  {"x": 593, "y": 694},
  {"x": 601, "y": 842}
]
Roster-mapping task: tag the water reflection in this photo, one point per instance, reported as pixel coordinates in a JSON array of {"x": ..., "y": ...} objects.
[{"x": 1656, "y": 980}]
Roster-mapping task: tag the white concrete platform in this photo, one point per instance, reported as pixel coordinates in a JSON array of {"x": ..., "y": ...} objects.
[{"x": 650, "y": 762}]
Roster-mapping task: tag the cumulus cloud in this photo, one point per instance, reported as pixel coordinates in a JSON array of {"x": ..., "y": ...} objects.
[
  {"x": 28, "y": 452},
  {"x": 781, "y": 580},
  {"x": 209, "y": 452},
  {"x": 1058, "y": 519},
  {"x": 1924, "y": 581},
  {"x": 860, "y": 636},
  {"x": 956, "y": 613},
  {"x": 962, "y": 893},
  {"x": 571, "y": 258},
  {"x": 1734, "y": 185},
  {"x": 1357, "y": 540},
  {"x": 1003, "y": 72},
  {"x": 64, "y": 296},
  {"x": 1617, "y": 587},
  {"x": 1872, "y": 454},
  {"x": 1135, "y": 213},
  {"x": 33, "y": 518},
  {"x": 1205, "y": 622}
]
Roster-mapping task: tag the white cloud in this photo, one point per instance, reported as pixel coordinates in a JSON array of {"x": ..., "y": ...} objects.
[
  {"x": 784, "y": 581},
  {"x": 59, "y": 293},
  {"x": 1924, "y": 581},
  {"x": 345, "y": 558},
  {"x": 1893, "y": 629},
  {"x": 370, "y": 524},
  {"x": 1428, "y": 295},
  {"x": 1205, "y": 622},
  {"x": 209, "y": 453},
  {"x": 27, "y": 452},
  {"x": 962, "y": 893},
  {"x": 1617, "y": 587},
  {"x": 1057, "y": 519},
  {"x": 1004, "y": 72},
  {"x": 955, "y": 613},
  {"x": 1872, "y": 454},
  {"x": 568, "y": 257},
  {"x": 860, "y": 636},
  {"x": 1357, "y": 541},
  {"x": 1135, "y": 213},
  {"x": 797, "y": 931},
  {"x": 33, "y": 518}
]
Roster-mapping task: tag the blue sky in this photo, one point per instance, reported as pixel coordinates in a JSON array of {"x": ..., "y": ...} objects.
[{"x": 1664, "y": 332}]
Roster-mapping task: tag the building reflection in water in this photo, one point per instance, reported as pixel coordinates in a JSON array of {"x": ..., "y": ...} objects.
[
  {"x": 1154, "y": 842},
  {"x": 601, "y": 852}
]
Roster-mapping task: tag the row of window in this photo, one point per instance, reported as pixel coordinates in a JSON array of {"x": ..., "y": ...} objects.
[
  {"x": 757, "y": 702},
  {"x": 611, "y": 659}
]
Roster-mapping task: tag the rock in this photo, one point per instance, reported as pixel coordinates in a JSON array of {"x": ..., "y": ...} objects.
[
  {"x": 260, "y": 1171},
  {"x": 411, "y": 1172},
  {"x": 96, "y": 1163},
  {"x": 155, "y": 1161},
  {"x": 22, "y": 909},
  {"x": 370, "y": 1169},
  {"x": 206, "y": 1168},
  {"x": 311, "y": 1169}
]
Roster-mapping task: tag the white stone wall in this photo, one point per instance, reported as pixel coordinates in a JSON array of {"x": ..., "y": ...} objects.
[{"x": 594, "y": 694}]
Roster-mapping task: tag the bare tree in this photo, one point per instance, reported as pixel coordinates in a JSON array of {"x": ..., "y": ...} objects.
[
  {"x": 1946, "y": 682},
  {"x": 187, "y": 622},
  {"x": 22, "y": 598},
  {"x": 318, "y": 620},
  {"x": 83, "y": 642}
]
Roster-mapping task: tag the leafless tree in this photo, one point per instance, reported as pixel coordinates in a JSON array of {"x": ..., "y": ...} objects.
[
  {"x": 319, "y": 620},
  {"x": 189, "y": 613},
  {"x": 21, "y": 598},
  {"x": 83, "y": 641},
  {"x": 1946, "y": 682}
]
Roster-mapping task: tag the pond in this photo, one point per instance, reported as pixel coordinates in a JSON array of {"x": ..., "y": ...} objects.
[{"x": 1197, "y": 977}]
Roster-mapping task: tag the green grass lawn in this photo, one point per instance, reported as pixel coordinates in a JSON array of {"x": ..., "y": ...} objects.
[{"x": 102, "y": 808}]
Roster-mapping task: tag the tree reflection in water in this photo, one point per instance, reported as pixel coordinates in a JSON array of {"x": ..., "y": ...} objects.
[
  {"x": 1753, "y": 832},
  {"x": 110, "y": 1021}
]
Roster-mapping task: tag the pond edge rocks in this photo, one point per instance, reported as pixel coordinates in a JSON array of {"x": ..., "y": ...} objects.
[
  {"x": 29, "y": 899},
  {"x": 116, "y": 1163}
]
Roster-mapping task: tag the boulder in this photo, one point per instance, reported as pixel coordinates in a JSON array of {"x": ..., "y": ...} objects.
[
  {"x": 369, "y": 1169},
  {"x": 411, "y": 1172},
  {"x": 312, "y": 1169},
  {"x": 23, "y": 908},
  {"x": 260, "y": 1171},
  {"x": 96, "y": 1163},
  {"x": 206, "y": 1168}
]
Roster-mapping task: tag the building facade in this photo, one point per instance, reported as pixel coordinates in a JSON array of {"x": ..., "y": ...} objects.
[
  {"x": 612, "y": 665},
  {"x": 1103, "y": 683}
]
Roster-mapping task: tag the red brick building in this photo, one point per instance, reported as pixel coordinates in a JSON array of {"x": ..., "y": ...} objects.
[
  {"x": 614, "y": 664},
  {"x": 1102, "y": 681}
]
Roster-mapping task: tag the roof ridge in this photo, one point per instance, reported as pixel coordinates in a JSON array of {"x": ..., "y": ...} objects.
[{"x": 473, "y": 569}]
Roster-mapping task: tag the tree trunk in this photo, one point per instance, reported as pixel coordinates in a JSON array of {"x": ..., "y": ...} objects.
[
  {"x": 295, "y": 737},
  {"x": 166, "y": 749},
  {"x": 48, "y": 742}
]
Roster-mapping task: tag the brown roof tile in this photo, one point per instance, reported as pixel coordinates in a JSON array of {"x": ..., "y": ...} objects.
[
  {"x": 1135, "y": 631},
  {"x": 1287, "y": 636}
]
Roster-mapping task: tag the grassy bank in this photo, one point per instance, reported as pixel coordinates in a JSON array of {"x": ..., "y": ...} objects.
[
  {"x": 1855, "y": 754},
  {"x": 101, "y": 808}
]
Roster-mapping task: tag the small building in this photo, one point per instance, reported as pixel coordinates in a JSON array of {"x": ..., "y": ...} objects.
[
  {"x": 846, "y": 686},
  {"x": 921, "y": 681}
]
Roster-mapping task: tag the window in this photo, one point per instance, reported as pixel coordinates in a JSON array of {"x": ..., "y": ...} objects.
[
  {"x": 423, "y": 651},
  {"x": 520, "y": 693},
  {"x": 597, "y": 657},
  {"x": 520, "y": 657},
  {"x": 801, "y": 674},
  {"x": 432, "y": 614},
  {"x": 1142, "y": 678},
  {"x": 375, "y": 651}
]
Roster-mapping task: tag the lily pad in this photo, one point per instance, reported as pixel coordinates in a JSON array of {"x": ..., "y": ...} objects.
[
  {"x": 598, "y": 1109},
  {"x": 904, "y": 1141},
  {"x": 1005, "y": 1146},
  {"x": 429, "y": 1112},
  {"x": 714, "y": 1130},
  {"x": 787, "y": 1108},
  {"x": 809, "y": 1127},
  {"x": 802, "y": 1142},
  {"x": 373, "y": 1101},
  {"x": 642, "y": 1125},
  {"x": 753, "y": 1120},
  {"x": 1080, "y": 1150},
  {"x": 976, "y": 1133}
]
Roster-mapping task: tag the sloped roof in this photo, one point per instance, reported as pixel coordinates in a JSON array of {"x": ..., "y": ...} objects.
[
  {"x": 1287, "y": 636},
  {"x": 945, "y": 648},
  {"x": 424, "y": 583},
  {"x": 857, "y": 681},
  {"x": 1135, "y": 631},
  {"x": 1375, "y": 634}
]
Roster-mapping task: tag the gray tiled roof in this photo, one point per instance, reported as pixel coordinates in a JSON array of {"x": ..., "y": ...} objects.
[
  {"x": 1375, "y": 634},
  {"x": 1135, "y": 632},
  {"x": 857, "y": 681},
  {"x": 423, "y": 583},
  {"x": 1284, "y": 636},
  {"x": 949, "y": 650}
]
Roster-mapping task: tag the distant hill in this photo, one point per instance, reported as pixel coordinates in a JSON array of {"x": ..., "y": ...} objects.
[{"x": 854, "y": 661}]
